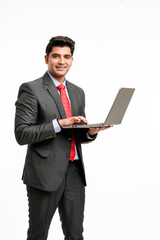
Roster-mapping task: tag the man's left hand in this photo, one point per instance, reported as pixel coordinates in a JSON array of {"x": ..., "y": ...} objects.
[{"x": 93, "y": 131}]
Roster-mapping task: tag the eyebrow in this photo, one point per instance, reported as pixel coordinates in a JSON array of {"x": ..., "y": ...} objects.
[{"x": 56, "y": 54}]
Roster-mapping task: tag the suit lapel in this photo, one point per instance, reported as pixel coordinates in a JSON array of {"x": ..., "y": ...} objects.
[
  {"x": 72, "y": 96},
  {"x": 54, "y": 94}
]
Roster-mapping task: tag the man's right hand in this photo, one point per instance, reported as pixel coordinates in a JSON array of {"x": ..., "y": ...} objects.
[{"x": 72, "y": 120}]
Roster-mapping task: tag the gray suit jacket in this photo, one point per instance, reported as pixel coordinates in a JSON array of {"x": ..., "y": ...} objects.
[{"x": 48, "y": 153}]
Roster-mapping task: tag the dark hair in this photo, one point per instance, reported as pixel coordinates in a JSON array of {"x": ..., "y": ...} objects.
[{"x": 60, "y": 41}]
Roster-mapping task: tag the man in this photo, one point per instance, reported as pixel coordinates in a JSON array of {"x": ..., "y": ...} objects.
[{"x": 54, "y": 170}]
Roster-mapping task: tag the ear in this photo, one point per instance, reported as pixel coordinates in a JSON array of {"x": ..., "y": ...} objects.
[
  {"x": 72, "y": 60},
  {"x": 46, "y": 59}
]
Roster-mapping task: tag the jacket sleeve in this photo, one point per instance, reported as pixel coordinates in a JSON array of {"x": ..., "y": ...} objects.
[{"x": 27, "y": 128}]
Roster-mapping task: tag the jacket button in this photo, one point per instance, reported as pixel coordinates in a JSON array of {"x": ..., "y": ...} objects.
[{"x": 67, "y": 155}]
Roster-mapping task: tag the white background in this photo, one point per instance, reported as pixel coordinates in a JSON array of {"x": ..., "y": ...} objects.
[{"x": 117, "y": 45}]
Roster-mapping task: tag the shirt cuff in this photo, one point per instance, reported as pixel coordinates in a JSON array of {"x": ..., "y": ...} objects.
[{"x": 56, "y": 126}]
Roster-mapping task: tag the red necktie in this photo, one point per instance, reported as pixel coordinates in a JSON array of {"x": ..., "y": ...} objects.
[{"x": 67, "y": 108}]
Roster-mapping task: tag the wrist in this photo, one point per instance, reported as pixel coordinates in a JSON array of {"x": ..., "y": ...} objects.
[
  {"x": 92, "y": 135},
  {"x": 92, "y": 132},
  {"x": 59, "y": 121}
]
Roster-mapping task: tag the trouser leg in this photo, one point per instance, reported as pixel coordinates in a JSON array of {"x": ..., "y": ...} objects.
[
  {"x": 71, "y": 206},
  {"x": 42, "y": 206}
]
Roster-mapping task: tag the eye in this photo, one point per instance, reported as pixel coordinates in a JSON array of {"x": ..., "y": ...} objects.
[
  {"x": 67, "y": 56},
  {"x": 55, "y": 56}
]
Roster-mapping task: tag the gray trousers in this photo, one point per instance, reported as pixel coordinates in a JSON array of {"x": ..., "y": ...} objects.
[{"x": 69, "y": 199}]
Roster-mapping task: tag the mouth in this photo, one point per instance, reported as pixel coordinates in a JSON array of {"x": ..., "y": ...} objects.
[{"x": 60, "y": 68}]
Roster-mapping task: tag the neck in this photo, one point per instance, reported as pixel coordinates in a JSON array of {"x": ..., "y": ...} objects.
[{"x": 59, "y": 79}]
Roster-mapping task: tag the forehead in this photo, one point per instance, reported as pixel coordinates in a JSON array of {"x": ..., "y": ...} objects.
[{"x": 61, "y": 50}]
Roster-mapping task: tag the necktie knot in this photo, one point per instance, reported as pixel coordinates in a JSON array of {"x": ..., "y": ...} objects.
[{"x": 60, "y": 87}]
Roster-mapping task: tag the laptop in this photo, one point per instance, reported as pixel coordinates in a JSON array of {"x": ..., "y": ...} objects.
[{"x": 116, "y": 112}]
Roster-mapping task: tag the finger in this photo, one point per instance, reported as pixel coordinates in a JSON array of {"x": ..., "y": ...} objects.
[
  {"x": 76, "y": 120},
  {"x": 94, "y": 128},
  {"x": 100, "y": 129},
  {"x": 83, "y": 119},
  {"x": 104, "y": 128},
  {"x": 109, "y": 126}
]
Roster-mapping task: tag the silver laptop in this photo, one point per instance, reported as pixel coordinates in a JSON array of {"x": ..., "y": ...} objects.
[{"x": 116, "y": 112}]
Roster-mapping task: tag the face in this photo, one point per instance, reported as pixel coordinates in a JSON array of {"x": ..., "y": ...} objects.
[{"x": 59, "y": 62}]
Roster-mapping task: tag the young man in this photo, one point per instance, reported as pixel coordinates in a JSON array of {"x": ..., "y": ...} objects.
[{"x": 53, "y": 171}]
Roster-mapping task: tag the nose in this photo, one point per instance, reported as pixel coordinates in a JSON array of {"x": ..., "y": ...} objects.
[{"x": 61, "y": 60}]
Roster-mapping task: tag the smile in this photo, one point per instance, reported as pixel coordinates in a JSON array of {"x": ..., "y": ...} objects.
[{"x": 60, "y": 68}]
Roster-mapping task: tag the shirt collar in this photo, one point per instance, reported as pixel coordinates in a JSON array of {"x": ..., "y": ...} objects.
[{"x": 55, "y": 81}]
